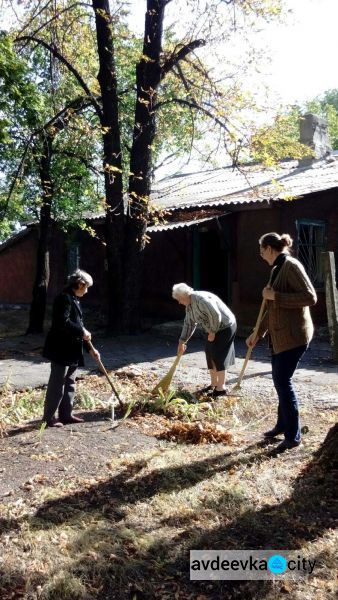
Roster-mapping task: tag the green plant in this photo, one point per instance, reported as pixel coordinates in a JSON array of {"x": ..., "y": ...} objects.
[{"x": 18, "y": 407}]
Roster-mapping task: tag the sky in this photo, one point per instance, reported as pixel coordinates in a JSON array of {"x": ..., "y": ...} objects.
[{"x": 302, "y": 52}]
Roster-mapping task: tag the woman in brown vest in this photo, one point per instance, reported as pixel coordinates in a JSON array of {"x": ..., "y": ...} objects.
[{"x": 289, "y": 325}]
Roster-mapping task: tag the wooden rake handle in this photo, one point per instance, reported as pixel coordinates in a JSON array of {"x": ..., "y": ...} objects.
[
  {"x": 103, "y": 369},
  {"x": 254, "y": 333}
]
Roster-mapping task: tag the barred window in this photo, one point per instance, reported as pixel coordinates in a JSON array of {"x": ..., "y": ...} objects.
[
  {"x": 311, "y": 243},
  {"x": 73, "y": 257}
]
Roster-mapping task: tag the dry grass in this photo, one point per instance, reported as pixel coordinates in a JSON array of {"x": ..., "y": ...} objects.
[{"x": 125, "y": 532}]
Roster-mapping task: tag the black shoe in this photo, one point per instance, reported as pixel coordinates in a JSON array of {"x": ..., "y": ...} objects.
[
  {"x": 71, "y": 420},
  {"x": 217, "y": 393},
  {"x": 53, "y": 423},
  {"x": 285, "y": 445},
  {"x": 206, "y": 390},
  {"x": 272, "y": 433}
]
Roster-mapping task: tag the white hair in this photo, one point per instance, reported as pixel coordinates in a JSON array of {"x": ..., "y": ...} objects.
[
  {"x": 181, "y": 289},
  {"x": 78, "y": 278}
]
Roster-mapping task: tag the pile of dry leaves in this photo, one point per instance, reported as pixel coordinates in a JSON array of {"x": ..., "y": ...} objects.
[{"x": 197, "y": 433}]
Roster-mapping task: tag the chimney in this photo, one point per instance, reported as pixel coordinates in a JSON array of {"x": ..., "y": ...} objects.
[{"x": 313, "y": 133}]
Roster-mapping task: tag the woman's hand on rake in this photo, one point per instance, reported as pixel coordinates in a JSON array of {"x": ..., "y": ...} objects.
[
  {"x": 268, "y": 293},
  {"x": 95, "y": 353},
  {"x": 181, "y": 348},
  {"x": 252, "y": 340}
]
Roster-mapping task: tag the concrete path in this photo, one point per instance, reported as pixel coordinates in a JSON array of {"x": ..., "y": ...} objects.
[{"x": 23, "y": 367}]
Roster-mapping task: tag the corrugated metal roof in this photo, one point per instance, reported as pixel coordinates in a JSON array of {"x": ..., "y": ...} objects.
[
  {"x": 14, "y": 238},
  {"x": 244, "y": 185},
  {"x": 179, "y": 224}
]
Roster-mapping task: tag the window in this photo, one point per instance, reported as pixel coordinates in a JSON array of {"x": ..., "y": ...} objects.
[
  {"x": 73, "y": 256},
  {"x": 311, "y": 243}
]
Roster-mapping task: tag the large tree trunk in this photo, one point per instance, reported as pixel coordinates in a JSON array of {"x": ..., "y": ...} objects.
[
  {"x": 39, "y": 300},
  {"x": 148, "y": 77},
  {"x": 112, "y": 163}
]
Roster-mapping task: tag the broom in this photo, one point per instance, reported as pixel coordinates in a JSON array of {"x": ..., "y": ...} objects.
[
  {"x": 166, "y": 380},
  {"x": 250, "y": 348}
]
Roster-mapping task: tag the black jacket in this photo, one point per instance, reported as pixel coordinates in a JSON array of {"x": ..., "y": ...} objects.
[{"x": 64, "y": 343}]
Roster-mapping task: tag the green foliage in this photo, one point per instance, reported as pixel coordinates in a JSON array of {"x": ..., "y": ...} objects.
[
  {"x": 278, "y": 141},
  {"x": 327, "y": 106},
  {"x": 27, "y": 105},
  {"x": 18, "y": 407},
  {"x": 18, "y": 93}
]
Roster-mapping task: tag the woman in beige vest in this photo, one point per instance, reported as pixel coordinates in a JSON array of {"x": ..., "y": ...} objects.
[{"x": 289, "y": 325}]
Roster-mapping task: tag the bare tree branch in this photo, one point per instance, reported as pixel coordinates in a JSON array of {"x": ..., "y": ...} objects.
[
  {"x": 55, "y": 17},
  {"x": 192, "y": 104},
  {"x": 80, "y": 158},
  {"x": 180, "y": 55},
  {"x": 53, "y": 50}
]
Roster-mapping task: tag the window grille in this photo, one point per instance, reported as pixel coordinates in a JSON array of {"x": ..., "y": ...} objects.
[
  {"x": 311, "y": 243},
  {"x": 73, "y": 258}
]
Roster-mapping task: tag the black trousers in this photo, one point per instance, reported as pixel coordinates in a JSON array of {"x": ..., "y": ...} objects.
[{"x": 60, "y": 392}]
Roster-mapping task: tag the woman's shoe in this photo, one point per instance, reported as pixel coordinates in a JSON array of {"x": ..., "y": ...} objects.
[
  {"x": 53, "y": 423},
  {"x": 285, "y": 445},
  {"x": 71, "y": 420},
  {"x": 217, "y": 393},
  {"x": 272, "y": 433},
  {"x": 206, "y": 390}
]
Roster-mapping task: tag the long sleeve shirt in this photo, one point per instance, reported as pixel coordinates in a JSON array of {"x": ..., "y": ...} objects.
[{"x": 207, "y": 310}]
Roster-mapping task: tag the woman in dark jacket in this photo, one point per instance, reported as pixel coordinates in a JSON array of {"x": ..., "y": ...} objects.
[{"x": 64, "y": 348}]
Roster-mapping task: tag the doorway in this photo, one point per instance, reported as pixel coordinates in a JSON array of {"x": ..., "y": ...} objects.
[{"x": 211, "y": 262}]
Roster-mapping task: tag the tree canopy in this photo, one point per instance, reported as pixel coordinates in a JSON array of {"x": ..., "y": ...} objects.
[{"x": 109, "y": 97}]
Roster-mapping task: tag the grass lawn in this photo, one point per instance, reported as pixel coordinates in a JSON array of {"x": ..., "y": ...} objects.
[{"x": 112, "y": 514}]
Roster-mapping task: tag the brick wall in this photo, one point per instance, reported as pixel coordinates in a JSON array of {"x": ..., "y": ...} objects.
[{"x": 17, "y": 269}]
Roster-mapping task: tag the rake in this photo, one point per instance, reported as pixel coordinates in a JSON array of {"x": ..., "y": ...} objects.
[
  {"x": 103, "y": 369},
  {"x": 250, "y": 348}
]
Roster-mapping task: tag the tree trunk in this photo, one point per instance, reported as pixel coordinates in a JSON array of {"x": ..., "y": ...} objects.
[
  {"x": 112, "y": 163},
  {"x": 38, "y": 305},
  {"x": 148, "y": 77}
]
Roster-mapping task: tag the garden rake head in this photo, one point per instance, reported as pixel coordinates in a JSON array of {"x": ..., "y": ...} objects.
[{"x": 103, "y": 369}]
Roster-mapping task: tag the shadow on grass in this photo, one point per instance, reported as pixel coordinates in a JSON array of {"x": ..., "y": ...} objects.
[{"x": 123, "y": 570}]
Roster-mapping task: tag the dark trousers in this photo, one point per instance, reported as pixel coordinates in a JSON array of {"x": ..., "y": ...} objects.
[
  {"x": 284, "y": 365},
  {"x": 60, "y": 392}
]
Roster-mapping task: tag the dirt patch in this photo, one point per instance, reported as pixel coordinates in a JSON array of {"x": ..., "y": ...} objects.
[{"x": 28, "y": 458}]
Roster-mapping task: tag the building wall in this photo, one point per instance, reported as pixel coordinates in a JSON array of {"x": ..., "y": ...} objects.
[
  {"x": 18, "y": 266},
  {"x": 17, "y": 270},
  {"x": 252, "y": 273},
  {"x": 167, "y": 260}
]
